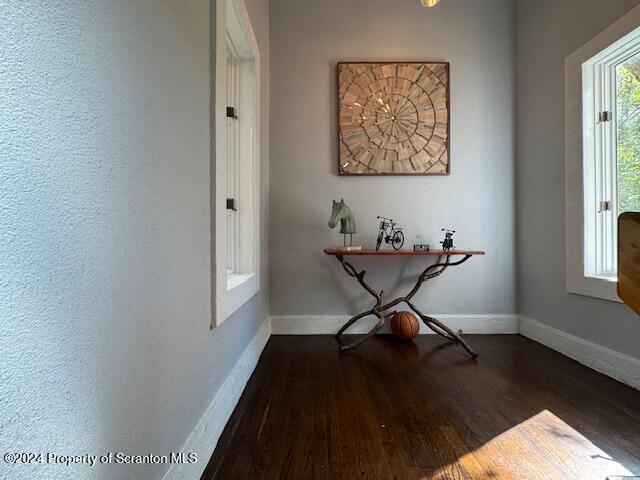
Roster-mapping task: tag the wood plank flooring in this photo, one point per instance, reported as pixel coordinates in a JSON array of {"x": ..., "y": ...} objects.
[{"x": 424, "y": 410}]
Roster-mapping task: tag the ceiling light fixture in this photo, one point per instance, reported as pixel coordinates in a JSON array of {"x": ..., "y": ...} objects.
[{"x": 429, "y": 3}]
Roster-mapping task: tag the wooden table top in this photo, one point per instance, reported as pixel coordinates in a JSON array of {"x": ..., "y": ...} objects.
[{"x": 399, "y": 253}]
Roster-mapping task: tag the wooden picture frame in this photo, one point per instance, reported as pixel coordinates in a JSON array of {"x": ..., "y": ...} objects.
[{"x": 394, "y": 118}]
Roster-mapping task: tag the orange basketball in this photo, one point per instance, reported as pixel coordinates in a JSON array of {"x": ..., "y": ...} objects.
[{"x": 405, "y": 325}]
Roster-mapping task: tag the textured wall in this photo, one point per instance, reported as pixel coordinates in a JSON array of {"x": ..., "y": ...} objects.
[
  {"x": 547, "y": 33},
  {"x": 104, "y": 230},
  {"x": 308, "y": 37}
]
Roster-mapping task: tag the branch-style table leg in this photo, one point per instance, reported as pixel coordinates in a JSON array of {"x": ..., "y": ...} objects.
[
  {"x": 439, "y": 327},
  {"x": 379, "y": 308},
  {"x": 374, "y": 330}
]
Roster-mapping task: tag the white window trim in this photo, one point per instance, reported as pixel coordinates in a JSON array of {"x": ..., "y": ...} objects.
[
  {"x": 576, "y": 173},
  {"x": 230, "y": 292}
]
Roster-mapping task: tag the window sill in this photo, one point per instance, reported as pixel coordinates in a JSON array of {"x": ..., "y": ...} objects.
[
  {"x": 237, "y": 279},
  {"x": 240, "y": 289},
  {"x": 605, "y": 288}
]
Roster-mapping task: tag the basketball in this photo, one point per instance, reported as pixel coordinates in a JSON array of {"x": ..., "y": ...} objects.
[{"x": 405, "y": 325}]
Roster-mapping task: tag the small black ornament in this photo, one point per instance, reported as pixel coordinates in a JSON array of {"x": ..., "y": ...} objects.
[{"x": 447, "y": 243}]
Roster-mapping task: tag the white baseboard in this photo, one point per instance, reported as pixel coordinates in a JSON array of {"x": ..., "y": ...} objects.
[
  {"x": 330, "y": 324},
  {"x": 619, "y": 366},
  {"x": 204, "y": 437}
]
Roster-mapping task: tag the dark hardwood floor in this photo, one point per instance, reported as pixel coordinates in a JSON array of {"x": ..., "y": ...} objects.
[{"x": 425, "y": 410}]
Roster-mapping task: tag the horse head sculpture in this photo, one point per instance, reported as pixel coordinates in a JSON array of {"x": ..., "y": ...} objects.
[{"x": 340, "y": 212}]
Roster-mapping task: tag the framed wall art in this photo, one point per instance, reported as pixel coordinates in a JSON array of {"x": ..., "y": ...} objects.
[{"x": 393, "y": 118}]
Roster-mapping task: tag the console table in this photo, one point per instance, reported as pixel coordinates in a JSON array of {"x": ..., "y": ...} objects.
[{"x": 381, "y": 309}]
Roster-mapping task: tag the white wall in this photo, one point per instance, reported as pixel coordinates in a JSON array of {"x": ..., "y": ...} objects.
[
  {"x": 547, "y": 32},
  {"x": 104, "y": 231},
  {"x": 308, "y": 38}
]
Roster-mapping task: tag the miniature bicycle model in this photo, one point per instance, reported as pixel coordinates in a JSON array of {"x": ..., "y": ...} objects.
[
  {"x": 390, "y": 234},
  {"x": 447, "y": 243}
]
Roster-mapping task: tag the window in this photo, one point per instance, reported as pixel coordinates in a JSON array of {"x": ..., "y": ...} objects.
[
  {"x": 611, "y": 152},
  {"x": 602, "y": 133},
  {"x": 236, "y": 159},
  {"x": 628, "y": 134},
  {"x": 233, "y": 160},
  {"x": 240, "y": 148}
]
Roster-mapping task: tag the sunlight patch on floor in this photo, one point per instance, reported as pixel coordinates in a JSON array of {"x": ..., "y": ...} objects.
[{"x": 543, "y": 445}]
